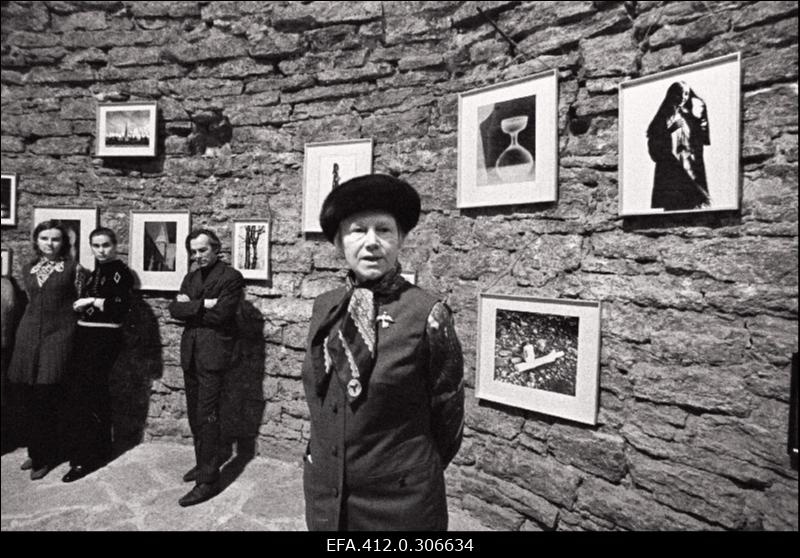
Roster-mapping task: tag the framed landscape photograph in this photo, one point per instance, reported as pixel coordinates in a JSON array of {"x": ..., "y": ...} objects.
[
  {"x": 79, "y": 221},
  {"x": 540, "y": 354},
  {"x": 508, "y": 142},
  {"x": 325, "y": 166},
  {"x": 8, "y": 199},
  {"x": 251, "y": 248},
  {"x": 5, "y": 263},
  {"x": 679, "y": 139},
  {"x": 158, "y": 256},
  {"x": 126, "y": 130}
]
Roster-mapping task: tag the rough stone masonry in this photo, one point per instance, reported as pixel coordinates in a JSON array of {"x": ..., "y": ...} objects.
[{"x": 699, "y": 311}]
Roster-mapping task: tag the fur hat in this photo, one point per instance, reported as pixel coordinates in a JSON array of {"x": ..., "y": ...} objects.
[{"x": 372, "y": 191}]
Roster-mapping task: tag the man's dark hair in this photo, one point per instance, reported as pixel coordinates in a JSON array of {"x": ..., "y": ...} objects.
[{"x": 216, "y": 245}]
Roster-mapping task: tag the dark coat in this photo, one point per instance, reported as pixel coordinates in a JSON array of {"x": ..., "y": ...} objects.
[
  {"x": 209, "y": 335},
  {"x": 375, "y": 466},
  {"x": 43, "y": 344}
]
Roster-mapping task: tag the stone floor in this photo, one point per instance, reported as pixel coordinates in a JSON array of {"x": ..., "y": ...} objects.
[{"x": 140, "y": 489}]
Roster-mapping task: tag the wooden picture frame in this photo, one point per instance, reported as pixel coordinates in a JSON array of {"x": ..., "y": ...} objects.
[
  {"x": 508, "y": 142},
  {"x": 539, "y": 354}
]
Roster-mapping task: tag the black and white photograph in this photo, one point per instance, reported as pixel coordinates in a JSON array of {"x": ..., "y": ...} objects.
[
  {"x": 539, "y": 354},
  {"x": 126, "y": 130},
  {"x": 679, "y": 139},
  {"x": 251, "y": 248},
  {"x": 325, "y": 166},
  {"x": 79, "y": 222},
  {"x": 8, "y": 199},
  {"x": 158, "y": 256},
  {"x": 507, "y": 142}
]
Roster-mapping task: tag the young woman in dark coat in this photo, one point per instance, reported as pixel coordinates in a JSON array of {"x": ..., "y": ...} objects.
[
  {"x": 101, "y": 310},
  {"x": 383, "y": 375},
  {"x": 44, "y": 341}
]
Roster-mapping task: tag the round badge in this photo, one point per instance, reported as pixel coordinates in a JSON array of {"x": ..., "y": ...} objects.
[{"x": 354, "y": 388}]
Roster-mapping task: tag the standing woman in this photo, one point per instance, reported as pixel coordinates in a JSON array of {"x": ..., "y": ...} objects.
[
  {"x": 102, "y": 308},
  {"x": 383, "y": 375},
  {"x": 44, "y": 341}
]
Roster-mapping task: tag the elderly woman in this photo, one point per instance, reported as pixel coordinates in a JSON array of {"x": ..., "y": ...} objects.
[
  {"x": 383, "y": 375},
  {"x": 44, "y": 341}
]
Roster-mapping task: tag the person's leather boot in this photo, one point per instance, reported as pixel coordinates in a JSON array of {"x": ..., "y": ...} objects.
[
  {"x": 76, "y": 472},
  {"x": 27, "y": 464},
  {"x": 200, "y": 493},
  {"x": 190, "y": 475},
  {"x": 40, "y": 473}
]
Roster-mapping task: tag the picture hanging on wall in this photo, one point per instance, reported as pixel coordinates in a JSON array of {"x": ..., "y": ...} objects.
[
  {"x": 251, "y": 248},
  {"x": 79, "y": 222},
  {"x": 325, "y": 166},
  {"x": 126, "y": 130},
  {"x": 508, "y": 142},
  {"x": 540, "y": 354},
  {"x": 5, "y": 265},
  {"x": 679, "y": 139},
  {"x": 158, "y": 256},
  {"x": 8, "y": 197}
]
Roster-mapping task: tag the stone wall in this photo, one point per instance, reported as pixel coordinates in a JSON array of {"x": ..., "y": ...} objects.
[{"x": 699, "y": 311}]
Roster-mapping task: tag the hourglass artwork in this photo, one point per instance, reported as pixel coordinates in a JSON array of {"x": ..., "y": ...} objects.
[{"x": 507, "y": 142}]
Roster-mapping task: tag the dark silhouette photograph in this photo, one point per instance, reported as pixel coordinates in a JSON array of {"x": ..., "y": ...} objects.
[{"x": 8, "y": 199}]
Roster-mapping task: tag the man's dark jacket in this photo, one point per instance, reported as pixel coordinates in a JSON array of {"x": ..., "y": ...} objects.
[{"x": 210, "y": 334}]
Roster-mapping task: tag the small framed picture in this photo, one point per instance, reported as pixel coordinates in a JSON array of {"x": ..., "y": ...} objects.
[
  {"x": 679, "y": 139},
  {"x": 540, "y": 354},
  {"x": 410, "y": 276},
  {"x": 126, "y": 130},
  {"x": 251, "y": 248},
  {"x": 8, "y": 198},
  {"x": 79, "y": 222},
  {"x": 158, "y": 256},
  {"x": 325, "y": 166},
  {"x": 508, "y": 142},
  {"x": 5, "y": 266}
]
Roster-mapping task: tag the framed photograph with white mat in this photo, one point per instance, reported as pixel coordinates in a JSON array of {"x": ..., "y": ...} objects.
[
  {"x": 251, "y": 248},
  {"x": 508, "y": 142},
  {"x": 158, "y": 256},
  {"x": 539, "y": 354}
]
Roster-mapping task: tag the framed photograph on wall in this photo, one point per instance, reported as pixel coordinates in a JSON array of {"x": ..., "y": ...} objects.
[
  {"x": 8, "y": 199},
  {"x": 325, "y": 166},
  {"x": 79, "y": 221},
  {"x": 540, "y": 354},
  {"x": 508, "y": 142},
  {"x": 679, "y": 134},
  {"x": 5, "y": 263},
  {"x": 158, "y": 256},
  {"x": 251, "y": 248},
  {"x": 126, "y": 129}
]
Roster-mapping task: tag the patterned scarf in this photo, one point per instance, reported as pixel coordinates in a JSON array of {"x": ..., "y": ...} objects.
[
  {"x": 45, "y": 268},
  {"x": 351, "y": 341}
]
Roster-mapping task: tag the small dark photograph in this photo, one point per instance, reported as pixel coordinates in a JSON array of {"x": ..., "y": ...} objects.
[
  {"x": 538, "y": 351},
  {"x": 159, "y": 245},
  {"x": 507, "y": 142},
  {"x": 73, "y": 227},
  {"x": 128, "y": 128},
  {"x": 5, "y": 197}
]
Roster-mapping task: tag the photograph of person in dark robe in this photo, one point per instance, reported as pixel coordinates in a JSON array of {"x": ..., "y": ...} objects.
[
  {"x": 507, "y": 142},
  {"x": 675, "y": 140}
]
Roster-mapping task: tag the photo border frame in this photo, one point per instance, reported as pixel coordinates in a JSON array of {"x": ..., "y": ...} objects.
[
  {"x": 158, "y": 280},
  {"x": 544, "y": 187},
  {"x": 89, "y": 218},
  {"x": 311, "y": 152},
  {"x": 11, "y": 220},
  {"x": 250, "y": 274},
  {"x": 103, "y": 150},
  {"x": 733, "y": 143},
  {"x": 583, "y": 406}
]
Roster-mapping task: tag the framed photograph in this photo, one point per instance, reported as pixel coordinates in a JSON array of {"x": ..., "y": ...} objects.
[
  {"x": 251, "y": 248},
  {"x": 5, "y": 265},
  {"x": 8, "y": 199},
  {"x": 158, "y": 256},
  {"x": 325, "y": 166},
  {"x": 79, "y": 221},
  {"x": 126, "y": 130},
  {"x": 508, "y": 142},
  {"x": 679, "y": 136},
  {"x": 540, "y": 354},
  {"x": 410, "y": 276}
]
